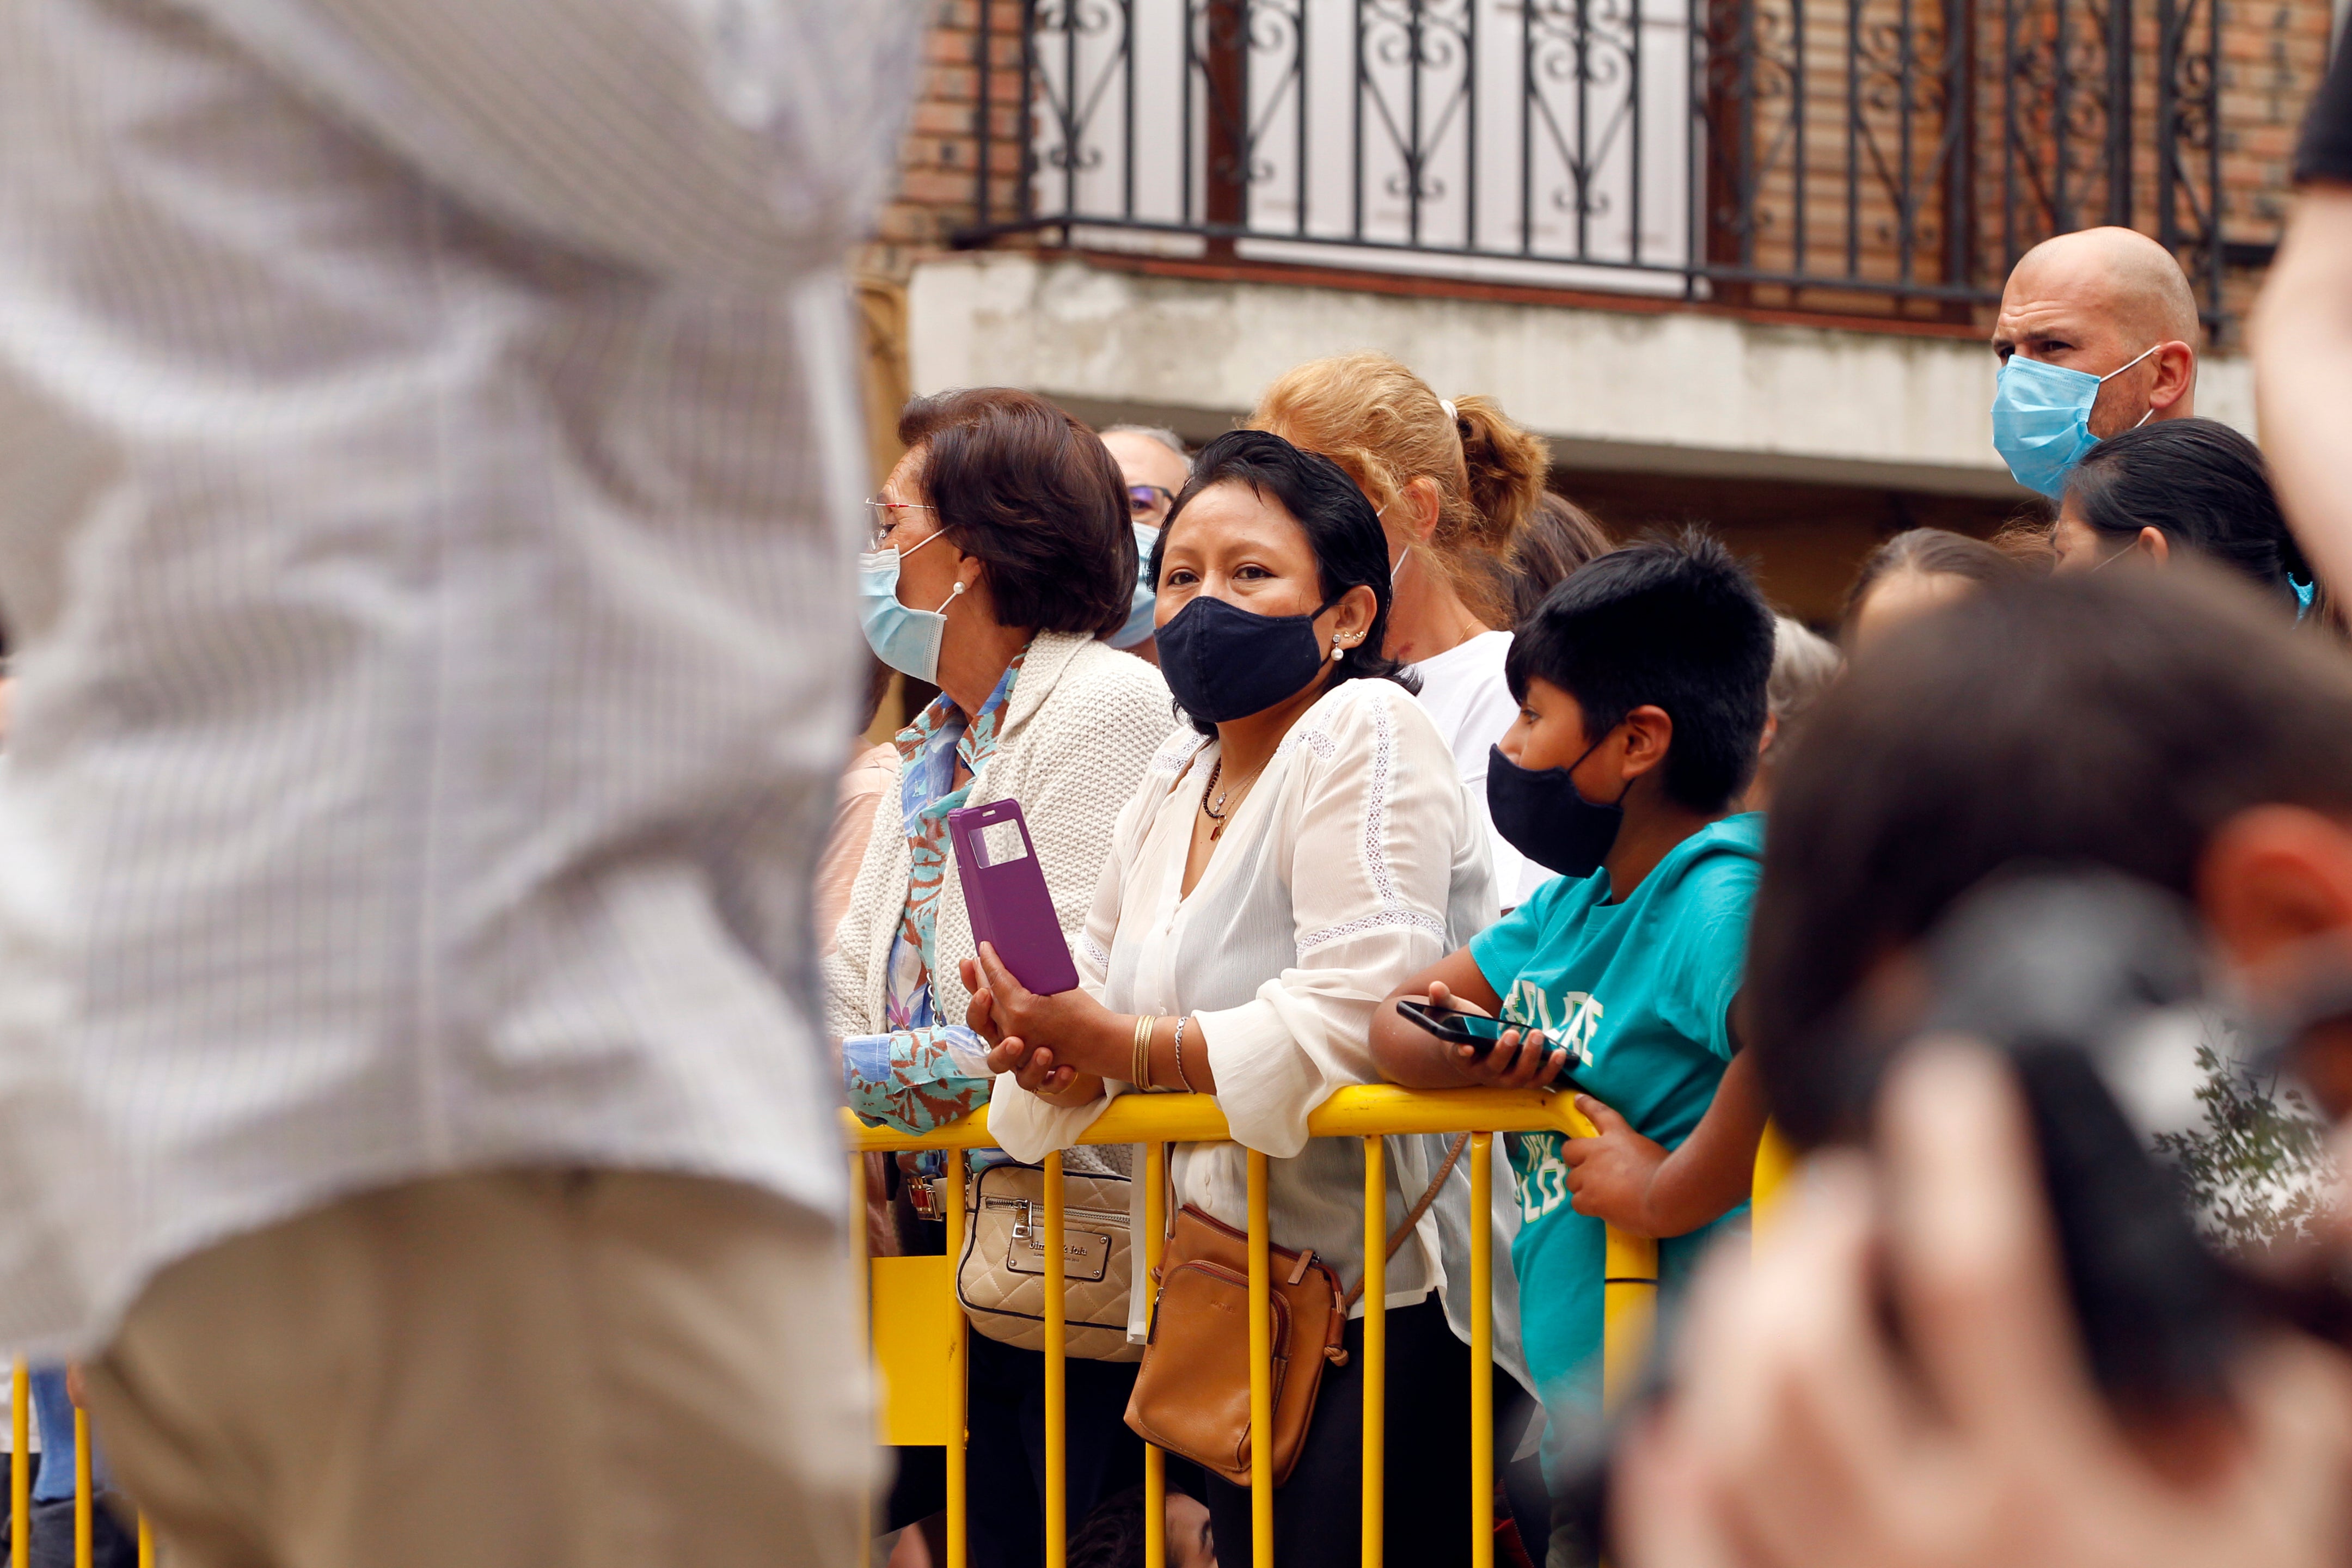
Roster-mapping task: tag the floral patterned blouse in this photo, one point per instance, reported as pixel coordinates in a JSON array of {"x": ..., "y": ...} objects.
[{"x": 926, "y": 1072}]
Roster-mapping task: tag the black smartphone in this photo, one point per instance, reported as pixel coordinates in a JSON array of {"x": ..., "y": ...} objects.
[{"x": 1474, "y": 1029}]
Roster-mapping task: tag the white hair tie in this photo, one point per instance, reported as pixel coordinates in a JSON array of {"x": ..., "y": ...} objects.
[{"x": 1447, "y": 403}]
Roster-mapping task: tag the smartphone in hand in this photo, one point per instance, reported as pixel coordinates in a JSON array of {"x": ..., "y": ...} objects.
[
  {"x": 1473, "y": 1029},
  {"x": 1477, "y": 1030}
]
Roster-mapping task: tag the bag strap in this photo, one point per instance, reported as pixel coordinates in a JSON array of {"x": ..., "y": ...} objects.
[{"x": 1396, "y": 1236}]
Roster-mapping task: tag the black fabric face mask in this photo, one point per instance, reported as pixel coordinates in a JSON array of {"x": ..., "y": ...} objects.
[
  {"x": 1541, "y": 814},
  {"x": 1223, "y": 662}
]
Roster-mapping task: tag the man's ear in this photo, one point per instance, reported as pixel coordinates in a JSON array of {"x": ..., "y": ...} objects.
[
  {"x": 2176, "y": 375},
  {"x": 2272, "y": 878},
  {"x": 1648, "y": 730}
]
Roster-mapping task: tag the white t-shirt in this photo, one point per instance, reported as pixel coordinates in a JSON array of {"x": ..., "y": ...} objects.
[{"x": 1464, "y": 691}]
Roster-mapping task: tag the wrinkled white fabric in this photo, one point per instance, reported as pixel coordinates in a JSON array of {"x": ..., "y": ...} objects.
[
  {"x": 428, "y": 462},
  {"x": 1467, "y": 696},
  {"x": 1353, "y": 862}
]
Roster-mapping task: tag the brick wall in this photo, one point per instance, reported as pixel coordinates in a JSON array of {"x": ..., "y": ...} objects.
[
  {"x": 939, "y": 165},
  {"x": 2272, "y": 53},
  {"x": 2271, "y": 56}
]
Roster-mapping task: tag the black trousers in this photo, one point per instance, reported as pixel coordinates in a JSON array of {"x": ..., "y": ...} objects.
[
  {"x": 1317, "y": 1515},
  {"x": 113, "y": 1544},
  {"x": 1005, "y": 1468}
]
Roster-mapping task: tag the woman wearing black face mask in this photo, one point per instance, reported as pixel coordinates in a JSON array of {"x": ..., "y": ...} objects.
[{"x": 1278, "y": 873}]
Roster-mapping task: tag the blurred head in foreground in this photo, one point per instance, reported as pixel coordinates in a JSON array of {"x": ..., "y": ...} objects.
[{"x": 2168, "y": 725}]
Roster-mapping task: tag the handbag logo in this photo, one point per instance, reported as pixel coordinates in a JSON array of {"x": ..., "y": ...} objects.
[{"x": 1085, "y": 1254}]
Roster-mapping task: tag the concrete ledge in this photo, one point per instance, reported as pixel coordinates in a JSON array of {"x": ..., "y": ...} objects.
[{"x": 1672, "y": 392}]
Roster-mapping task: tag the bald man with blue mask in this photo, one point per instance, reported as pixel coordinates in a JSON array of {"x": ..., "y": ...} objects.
[{"x": 2097, "y": 333}]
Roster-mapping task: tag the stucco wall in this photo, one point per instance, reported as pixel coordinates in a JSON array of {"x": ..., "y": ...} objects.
[{"x": 1673, "y": 391}]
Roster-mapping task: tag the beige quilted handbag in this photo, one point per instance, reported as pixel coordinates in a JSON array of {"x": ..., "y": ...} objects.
[{"x": 1000, "y": 1278}]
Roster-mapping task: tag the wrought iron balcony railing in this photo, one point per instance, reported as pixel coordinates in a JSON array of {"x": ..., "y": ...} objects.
[{"x": 1890, "y": 155}]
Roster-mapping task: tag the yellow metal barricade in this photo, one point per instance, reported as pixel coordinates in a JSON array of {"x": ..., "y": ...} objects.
[
  {"x": 20, "y": 1467},
  {"x": 20, "y": 1480},
  {"x": 1372, "y": 1112}
]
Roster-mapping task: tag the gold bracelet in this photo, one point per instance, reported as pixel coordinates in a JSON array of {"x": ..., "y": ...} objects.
[{"x": 1140, "y": 1069}]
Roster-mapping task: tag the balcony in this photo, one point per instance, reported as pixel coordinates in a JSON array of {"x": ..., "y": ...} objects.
[{"x": 1856, "y": 158}]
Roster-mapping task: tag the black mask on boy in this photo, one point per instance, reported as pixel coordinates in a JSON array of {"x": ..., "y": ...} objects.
[{"x": 1541, "y": 814}]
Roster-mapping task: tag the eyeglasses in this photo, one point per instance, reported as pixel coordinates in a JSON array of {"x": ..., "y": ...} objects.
[
  {"x": 1146, "y": 497},
  {"x": 883, "y": 515}
]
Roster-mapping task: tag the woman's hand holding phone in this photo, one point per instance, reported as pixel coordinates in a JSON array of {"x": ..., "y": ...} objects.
[{"x": 1017, "y": 1023}]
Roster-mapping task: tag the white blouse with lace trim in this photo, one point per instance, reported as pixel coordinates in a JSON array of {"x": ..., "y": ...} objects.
[{"x": 1354, "y": 861}]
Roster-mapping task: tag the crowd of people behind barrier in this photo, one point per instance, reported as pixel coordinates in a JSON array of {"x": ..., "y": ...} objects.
[
  {"x": 1420, "y": 734},
  {"x": 421, "y": 447}
]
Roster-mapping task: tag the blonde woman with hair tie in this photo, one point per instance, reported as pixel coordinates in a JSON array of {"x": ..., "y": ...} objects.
[{"x": 1453, "y": 480}]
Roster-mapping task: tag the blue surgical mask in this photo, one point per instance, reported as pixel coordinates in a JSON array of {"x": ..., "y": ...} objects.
[
  {"x": 1146, "y": 601},
  {"x": 2041, "y": 418},
  {"x": 906, "y": 639}
]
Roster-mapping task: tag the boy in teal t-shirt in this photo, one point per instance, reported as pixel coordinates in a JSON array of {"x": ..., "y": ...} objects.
[
  {"x": 1640, "y": 992},
  {"x": 1642, "y": 689}
]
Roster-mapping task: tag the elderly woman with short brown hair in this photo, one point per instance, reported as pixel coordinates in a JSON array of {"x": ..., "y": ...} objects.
[{"x": 1001, "y": 552}]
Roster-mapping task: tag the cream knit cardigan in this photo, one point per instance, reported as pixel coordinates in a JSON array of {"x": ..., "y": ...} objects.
[{"x": 1083, "y": 725}]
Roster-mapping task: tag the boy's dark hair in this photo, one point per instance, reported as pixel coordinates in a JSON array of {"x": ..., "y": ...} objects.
[
  {"x": 1036, "y": 496},
  {"x": 2201, "y": 485},
  {"x": 1342, "y": 529},
  {"x": 1112, "y": 1536},
  {"x": 1672, "y": 621},
  {"x": 2114, "y": 719}
]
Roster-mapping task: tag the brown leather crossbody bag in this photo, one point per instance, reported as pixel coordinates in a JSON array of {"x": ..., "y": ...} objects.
[{"x": 1193, "y": 1392}]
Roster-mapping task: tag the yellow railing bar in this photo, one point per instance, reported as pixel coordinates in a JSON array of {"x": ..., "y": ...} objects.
[
  {"x": 1776, "y": 1161},
  {"x": 20, "y": 1467},
  {"x": 1358, "y": 1111},
  {"x": 1155, "y": 1462},
  {"x": 146, "y": 1542},
  {"x": 861, "y": 1291},
  {"x": 1482, "y": 1349},
  {"x": 1260, "y": 1336},
  {"x": 1629, "y": 1304},
  {"x": 959, "y": 1371},
  {"x": 1058, "y": 1458},
  {"x": 82, "y": 1489},
  {"x": 1370, "y": 1111},
  {"x": 1376, "y": 1349}
]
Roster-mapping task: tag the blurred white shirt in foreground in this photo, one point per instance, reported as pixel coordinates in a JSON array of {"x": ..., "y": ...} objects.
[{"x": 427, "y": 451}]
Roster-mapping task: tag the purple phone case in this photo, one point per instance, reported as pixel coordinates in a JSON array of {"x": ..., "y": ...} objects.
[{"x": 1005, "y": 889}]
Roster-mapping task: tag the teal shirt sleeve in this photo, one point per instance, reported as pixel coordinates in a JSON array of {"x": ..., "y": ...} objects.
[{"x": 1706, "y": 954}]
